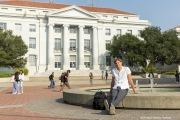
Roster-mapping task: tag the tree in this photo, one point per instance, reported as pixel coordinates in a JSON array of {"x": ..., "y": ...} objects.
[
  {"x": 128, "y": 46},
  {"x": 12, "y": 50},
  {"x": 170, "y": 47},
  {"x": 152, "y": 37}
]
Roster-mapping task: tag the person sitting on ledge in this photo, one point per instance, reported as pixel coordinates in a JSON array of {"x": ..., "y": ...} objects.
[{"x": 119, "y": 85}]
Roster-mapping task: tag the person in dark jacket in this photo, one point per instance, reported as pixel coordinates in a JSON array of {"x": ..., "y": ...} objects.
[
  {"x": 66, "y": 83},
  {"x": 51, "y": 78},
  {"x": 16, "y": 80},
  {"x": 177, "y": 76}
]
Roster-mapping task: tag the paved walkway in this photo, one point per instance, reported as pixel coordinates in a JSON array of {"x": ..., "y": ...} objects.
[{"x": 39, "y": 103}]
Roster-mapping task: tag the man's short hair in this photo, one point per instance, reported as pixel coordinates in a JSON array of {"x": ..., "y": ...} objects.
[
  {"x": 117, "y": 59},
  {"x": 68, "y": 71}
]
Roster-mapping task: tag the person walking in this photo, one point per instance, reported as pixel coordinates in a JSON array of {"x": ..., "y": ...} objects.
[
  {"x": 151, "y": 77},
  {"x": 106, "y": 75},
  {"x": 121, "y": 78},
  {"x": 102, "y": 75},
  {"x": 16, "y": 80},
  {"x": 91, "y": 78},
  {"x": 61, "y": 78},
  {"x": 66, "y": 83},
  {"x": 12, "y": 80},
  {"x": 51, "y": 78},
  {"x": 21, "y": 79},
  {"x": 177, "y": 76}
]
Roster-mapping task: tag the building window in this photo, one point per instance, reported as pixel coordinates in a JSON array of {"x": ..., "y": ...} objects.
[
  {"x": 139, "y": 32},
  {"x": 105, "y": 16},
  {"x": 32, "y": 43},
  {"x": 45, "y": 11},
  {"x": 32, "y": 28},
  {"x": 86, "y": 31},
  {"x": 129, "y": 31},
  {"x": 86, "y": 45},
  {"x": 125, "y": 17},
  {"x": 4, "y": 8},
  {"x": 72, "y": 45},
  {"x": 18, "y": 27},
  {"x": 107, "y": 43},
  {"x": 72, "y": 30},
  {"x": 32, "y": 60},
  {"x": 18, "y": 9},
  {"x": 118, "y": 32},
  {"x": 57, "y": 29},
  {"x": 108, "y": 60},
  {"x": 72, "y": 61},
  {"x": 32, "y": 10},
  {"x": 57, "y": 63},
  {"x": 115, "y": 16},
  {"x": 57, "y": 44},
  {"x": 3, "y": 26},
  {"x": 87, "y": 61},
  {"x": 108, "y": 32}
]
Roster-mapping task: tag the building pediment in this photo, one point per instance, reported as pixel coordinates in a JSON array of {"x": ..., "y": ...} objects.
[{"x": 73, "y": 12}]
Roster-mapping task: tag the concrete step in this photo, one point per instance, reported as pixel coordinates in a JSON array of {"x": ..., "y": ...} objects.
[
  {"x": 73, "y": 73},
  {"x": 75, "y": 78}
]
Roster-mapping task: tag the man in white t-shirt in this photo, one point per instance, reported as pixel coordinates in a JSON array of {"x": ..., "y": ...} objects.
[{"x": 121, "y": 78}]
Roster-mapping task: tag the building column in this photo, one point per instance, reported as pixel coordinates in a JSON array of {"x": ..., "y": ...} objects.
[
  {"x": 95, "y": 49},
  {"x": 81, "y": 48},
  {"x": 66, "y": 64},
  {"x": 50, "y": 48}
]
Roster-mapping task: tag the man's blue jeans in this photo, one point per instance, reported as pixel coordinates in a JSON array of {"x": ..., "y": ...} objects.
[{"x": 52, "y": 84}]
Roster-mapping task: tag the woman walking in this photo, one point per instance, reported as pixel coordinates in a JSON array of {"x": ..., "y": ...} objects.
[
  {"x": 16, "y": 88},
  {"x": 21, "y": 79},
  {"x": 91, "y": 78}
]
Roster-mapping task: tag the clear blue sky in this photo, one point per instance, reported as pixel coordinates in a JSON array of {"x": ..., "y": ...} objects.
[{"x": 162, "y": 13}]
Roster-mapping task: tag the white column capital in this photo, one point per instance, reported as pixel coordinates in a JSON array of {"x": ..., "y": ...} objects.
[
  {"x": 65, "y": 25},
  {"x": 81, "y": 26},
  {"x": 95, "y": 27},
  {"x": 50, "y": 24}
]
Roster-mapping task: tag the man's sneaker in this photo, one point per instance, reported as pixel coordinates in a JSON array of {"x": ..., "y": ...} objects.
[
  {"x": 106, "y": 105},
  {"x": 112, "y": 110},
  {"x": 60, "y": 91}
]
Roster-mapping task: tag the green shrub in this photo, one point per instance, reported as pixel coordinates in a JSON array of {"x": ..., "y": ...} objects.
[
  {"x": 3, "y": 75},
  {"x": 25, "y": 70},
  {"x": 169, "y": 73},
  {"x": 148, "y": 69}
]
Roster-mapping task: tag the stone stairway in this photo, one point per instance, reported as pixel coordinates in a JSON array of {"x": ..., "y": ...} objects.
[{"x": 73, "y": 73}]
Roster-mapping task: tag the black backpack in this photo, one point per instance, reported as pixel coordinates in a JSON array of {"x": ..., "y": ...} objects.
[
  {"x": 98, "y": 102},
  {"x": 50, "y": 77}
]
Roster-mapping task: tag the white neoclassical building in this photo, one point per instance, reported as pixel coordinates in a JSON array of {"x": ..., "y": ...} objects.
[{"x": 61, "y": 37}]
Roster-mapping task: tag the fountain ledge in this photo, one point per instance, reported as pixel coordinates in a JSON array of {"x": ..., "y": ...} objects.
[{"x": 147, "y": 100}]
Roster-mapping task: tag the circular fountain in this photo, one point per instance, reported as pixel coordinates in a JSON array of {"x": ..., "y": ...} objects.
[{"x": 162, "y": 97}]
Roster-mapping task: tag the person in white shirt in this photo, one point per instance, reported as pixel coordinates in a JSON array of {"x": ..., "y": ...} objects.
[
  {"x": 121, "y": 78},
  {"x": 21, "y": 78}
]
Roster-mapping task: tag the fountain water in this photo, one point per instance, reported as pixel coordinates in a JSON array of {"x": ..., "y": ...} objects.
[
  {"x": 152, "y": 83},
  {"x": 137, "y": 86}
]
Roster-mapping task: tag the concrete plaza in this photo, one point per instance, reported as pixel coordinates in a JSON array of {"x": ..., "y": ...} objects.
[{"x": 40, "y": 103}]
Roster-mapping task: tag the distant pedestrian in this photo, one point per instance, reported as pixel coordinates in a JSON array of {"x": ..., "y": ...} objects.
[
  {"x": 91, "y": 78},
  {"x": 102, "y": 74},
  {"x": 177, "y": 76},
  {"x": 151, "y": 77},
  {"x": 13, "y": 81},
  {"x": 51, "y": 79},
  {"x": 16, "y": 88},
  {"x": 106, "y": 75},
  {"x": 66, "y": 83},
  {"x": 21, "y": 79},
  {"x": 61, "y": 78}
]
